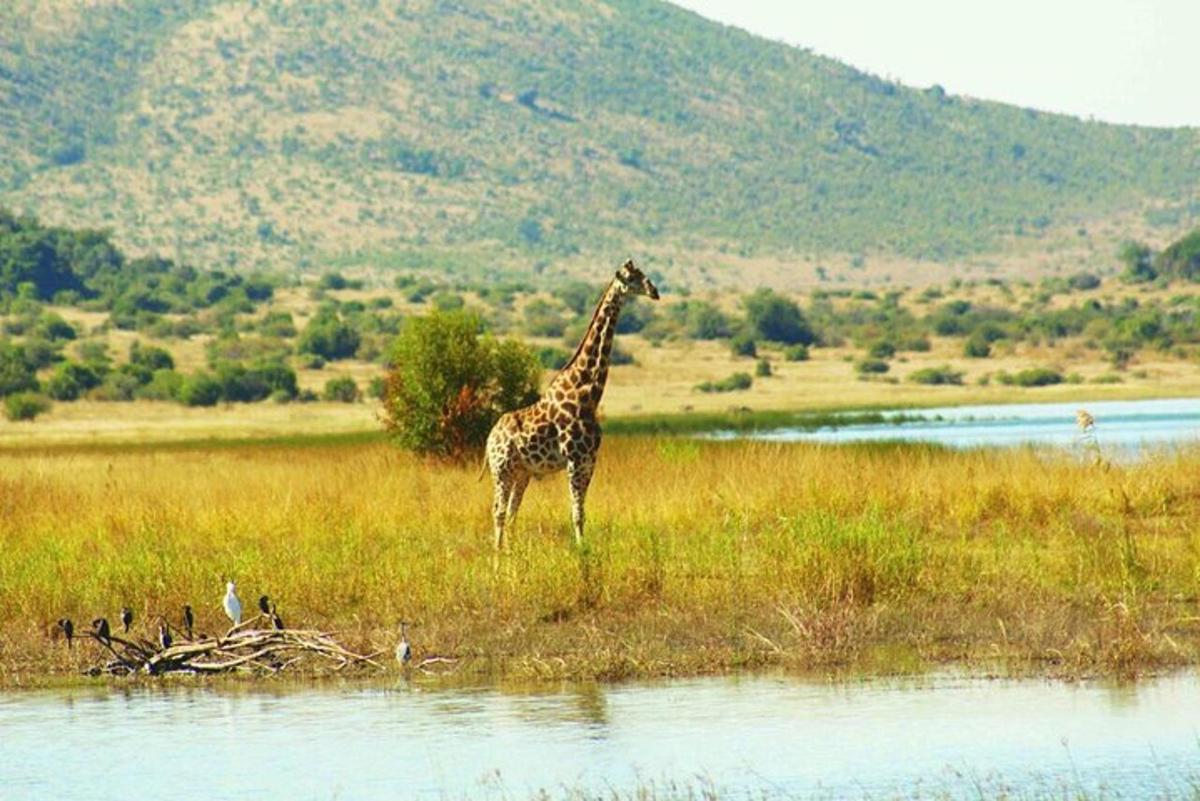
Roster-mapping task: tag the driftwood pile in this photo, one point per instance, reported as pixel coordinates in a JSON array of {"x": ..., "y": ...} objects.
[{"x": 248, "y": 648}]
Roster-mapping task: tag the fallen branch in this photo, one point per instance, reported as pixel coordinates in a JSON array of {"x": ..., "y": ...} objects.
[{"x": 267, "y": 651}]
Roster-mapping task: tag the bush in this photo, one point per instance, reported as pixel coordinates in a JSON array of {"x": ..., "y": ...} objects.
[
  {"x": 777, "y": 319},
  {"x": 1037, "y": 377},
  {"x": 70, "y": 380},
  {"x": 200, "y": 389},
  {"x": 449, "y": 383},
  {"x": 735, "y": 382},
  {"x": 25, "y": 406},
  {"x": 329, "y": 336},
  {"x": 164, "y": 385},
  {"x": 118, "y": 386},
  {"x": 743, "y": 345},
  {"x": 552, "y": 358},
  {"x": 16, "y": 372},
  {"x": 977, "y": 347},
  {"x": 881, "y": 350},
  {"x": 341, "y": 389},
  {"x": 762, "y": 369},
  {"x": 376, "y": 387},
  {"x": 872, "y": 367},
  {"x": 151, "y": 357},
  {"x": 796, "y": 353},
  {"x": 936, "y": 376}
]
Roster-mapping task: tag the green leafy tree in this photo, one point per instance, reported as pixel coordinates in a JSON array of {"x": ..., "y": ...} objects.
[
  {"x": 1181, "y": 259},
  {"x": 1138, "y": 263},
  {"x": 16, "y": 373},
  {"x": 776, "y": 318},
  {"x": 70, "y": 381},
  {"x": 449, "y": 383},
  {"x": 329, "y": 336}
]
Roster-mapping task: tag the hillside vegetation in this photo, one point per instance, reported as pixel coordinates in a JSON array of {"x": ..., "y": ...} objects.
[{"x": 522, "y": 134}]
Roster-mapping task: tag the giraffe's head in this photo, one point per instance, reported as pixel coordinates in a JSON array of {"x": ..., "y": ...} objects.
[{"x": 635, "y": 282}]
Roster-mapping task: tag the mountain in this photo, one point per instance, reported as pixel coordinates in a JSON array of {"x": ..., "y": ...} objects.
[{"x": 485, "y": 134}]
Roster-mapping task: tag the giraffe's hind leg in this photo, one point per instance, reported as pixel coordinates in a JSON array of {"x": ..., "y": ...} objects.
[
  {"x": 502, "y": 489},
  {"x": 515, "y": 495}
]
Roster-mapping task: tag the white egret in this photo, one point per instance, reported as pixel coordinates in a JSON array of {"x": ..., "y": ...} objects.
[{"x": 233, "y": 606}]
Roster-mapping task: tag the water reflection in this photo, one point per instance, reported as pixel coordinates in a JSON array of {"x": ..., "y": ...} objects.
[{"x": 776, "y": 735}]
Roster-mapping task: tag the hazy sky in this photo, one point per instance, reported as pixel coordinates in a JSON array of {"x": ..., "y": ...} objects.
[{"x": 1135, "y": 61}]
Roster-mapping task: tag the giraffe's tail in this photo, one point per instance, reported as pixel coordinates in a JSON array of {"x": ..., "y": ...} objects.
[{"x": 482, "y": 468}]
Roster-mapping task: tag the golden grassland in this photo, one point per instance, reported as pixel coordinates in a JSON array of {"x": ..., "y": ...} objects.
[{"x": 700, "y": 557}]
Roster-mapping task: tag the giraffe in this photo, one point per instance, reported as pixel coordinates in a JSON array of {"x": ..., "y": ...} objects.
[{"x": 560, "y": 430}]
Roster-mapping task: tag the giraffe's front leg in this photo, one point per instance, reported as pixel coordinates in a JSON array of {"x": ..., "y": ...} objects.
[{"x": 579, "y": 474}]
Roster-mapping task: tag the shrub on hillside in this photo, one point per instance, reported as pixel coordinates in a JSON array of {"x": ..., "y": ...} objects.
[
  {"x": 796, "y": 353},
  {"x": 449, "y": 383},
  {"x": 871, "y": 367},
  {"x": 341, "y": 390},
  {"x": 936, "y": 376},
  {"x": 977, "y": 347},
  {"x": 25, "y": 406},
  {"x": 743, "y": 345},
  {"x": 733, "y": 383},
  {"x": 776, "y": 318}
]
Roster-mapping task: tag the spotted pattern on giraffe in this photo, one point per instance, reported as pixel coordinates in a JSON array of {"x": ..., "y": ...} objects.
[{"x": 560, "y": 431}]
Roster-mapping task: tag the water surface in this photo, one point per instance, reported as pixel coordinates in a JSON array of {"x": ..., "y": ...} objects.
[
  {"x": 780, "y": 737},
  {"x": 1121, "y": 426}
]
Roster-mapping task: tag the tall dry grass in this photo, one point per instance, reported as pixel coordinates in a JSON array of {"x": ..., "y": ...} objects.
[{"x": 701, "y": 556}]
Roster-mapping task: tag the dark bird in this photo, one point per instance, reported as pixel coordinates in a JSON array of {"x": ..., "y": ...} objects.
[
  {"x": 276, "y": 620},
  {"x": 264, "y": 605},
  {"x": 100, "y": 626},
  {"x": 68, "y": 629},
  {"x": 164, "y": 636},
  {"x": 188, "y": 620},
  {"x": 126, "y": 618},
  {"x": 403, "y": 649}
]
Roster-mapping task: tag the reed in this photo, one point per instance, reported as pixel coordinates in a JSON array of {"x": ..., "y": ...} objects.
[{"x": 702, "y": 556}]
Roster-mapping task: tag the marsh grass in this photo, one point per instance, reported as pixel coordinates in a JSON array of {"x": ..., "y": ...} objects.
[{"x": 701, "y": 556}]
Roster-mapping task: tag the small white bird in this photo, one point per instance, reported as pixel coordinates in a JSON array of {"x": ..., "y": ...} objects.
[
  {"x": 403, "y": 649},
  {"x": 233, "y": 606}
]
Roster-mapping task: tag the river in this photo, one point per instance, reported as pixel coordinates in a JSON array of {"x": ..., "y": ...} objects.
[{"x": 765, "y": 736}]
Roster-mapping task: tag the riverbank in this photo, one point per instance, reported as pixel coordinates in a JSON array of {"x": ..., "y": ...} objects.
[{"x": 702, "y": 557}]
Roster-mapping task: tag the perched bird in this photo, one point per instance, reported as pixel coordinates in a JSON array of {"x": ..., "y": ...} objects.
[
  {"x": 403, "y": 649},
  {"x": 126, "y": 618},
  {"x": 100, "y": 626},
  {"x": 233, "y": 606},
  {"x": 68, "y": 629},
  {"x": 264, "y": 605},
  {"x": 164, "y": 636},
  {"x": 188, "y": 620},
  {"x": 276, "y": 620}
]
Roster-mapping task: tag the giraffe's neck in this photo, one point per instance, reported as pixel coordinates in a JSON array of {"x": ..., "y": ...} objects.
[{"x": 584, "y": 376}]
